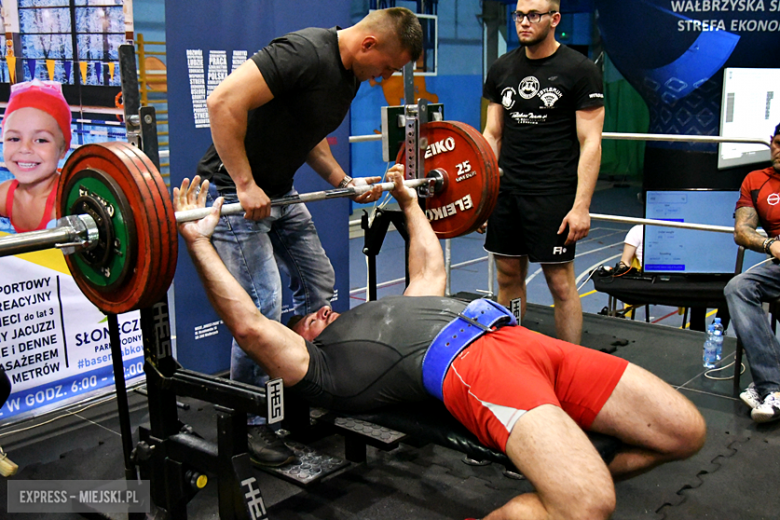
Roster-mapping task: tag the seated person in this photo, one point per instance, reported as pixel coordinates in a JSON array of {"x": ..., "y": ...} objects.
[
  {"x": 36, "y": 136},
  {"x": 632, "y": 252},
  {"x": 746, "y": 292},
  {"x": 520, "y": 392}
]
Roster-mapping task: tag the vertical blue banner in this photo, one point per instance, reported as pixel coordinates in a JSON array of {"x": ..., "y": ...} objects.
[{"x": 206, "y": 40}]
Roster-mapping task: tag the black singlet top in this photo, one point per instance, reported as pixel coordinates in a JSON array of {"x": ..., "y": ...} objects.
[{"x": 372, "y": 354}]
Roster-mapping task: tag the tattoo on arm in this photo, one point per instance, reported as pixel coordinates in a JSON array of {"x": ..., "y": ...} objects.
[{"x": 745, "y": 226}]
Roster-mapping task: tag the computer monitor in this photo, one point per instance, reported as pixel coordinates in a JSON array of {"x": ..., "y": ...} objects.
[
  {"x": 685, "y": 251},
  {"x": 750, "y": 108}
]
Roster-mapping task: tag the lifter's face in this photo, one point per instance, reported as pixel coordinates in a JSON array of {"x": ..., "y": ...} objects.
[
  {"x": 313, "y": 324},
  {"x": 775, "y": 151}
]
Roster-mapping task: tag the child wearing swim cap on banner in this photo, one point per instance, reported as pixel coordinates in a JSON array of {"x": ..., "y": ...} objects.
[
  {"x": 54, "y": 344},
  {"x": 36, "y": 136}
]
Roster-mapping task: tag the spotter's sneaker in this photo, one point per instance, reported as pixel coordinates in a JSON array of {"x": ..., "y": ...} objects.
[
  {"x": 769, "y": 410},
  {"x": 750, "y": 397}
]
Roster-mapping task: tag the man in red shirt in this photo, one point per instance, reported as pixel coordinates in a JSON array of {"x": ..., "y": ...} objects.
[{"x": 759, "y": 205}]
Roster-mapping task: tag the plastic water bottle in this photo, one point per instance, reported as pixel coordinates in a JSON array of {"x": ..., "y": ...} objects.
[
  {"x": 713, "y": 345},
  {"x": 718, "y": 339},
  {"x": 708, "y": 356}
]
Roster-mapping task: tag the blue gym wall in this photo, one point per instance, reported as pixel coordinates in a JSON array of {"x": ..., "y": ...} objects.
[{"x": 203, "y": 343}]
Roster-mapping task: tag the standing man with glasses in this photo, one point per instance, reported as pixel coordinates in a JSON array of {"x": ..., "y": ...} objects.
[{"x": 544, "y": 123}]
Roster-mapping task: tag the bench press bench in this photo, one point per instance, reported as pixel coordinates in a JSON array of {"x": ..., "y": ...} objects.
[{"x": 422, "y": 423}]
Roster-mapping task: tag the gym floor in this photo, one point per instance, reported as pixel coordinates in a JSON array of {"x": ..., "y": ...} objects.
[{"x": 733, "y": 477}]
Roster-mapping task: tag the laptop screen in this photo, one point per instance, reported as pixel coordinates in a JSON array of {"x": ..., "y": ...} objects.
[{"x": 685, "y": 251}]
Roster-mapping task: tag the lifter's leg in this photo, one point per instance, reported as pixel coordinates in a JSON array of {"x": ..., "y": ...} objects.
[
  {"x": 656, "y": 422},
  {"x": 570, "y": 479}
]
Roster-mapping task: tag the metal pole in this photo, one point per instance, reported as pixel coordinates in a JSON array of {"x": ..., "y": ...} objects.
[
  {"x": 365, "y": 138},
  {"x": 69, "y": 235},
  {"x": 491, "y": 275},
  {"x": 78, "y": 232},
  {"x": 73, "y": 233},
  {"x": 684, "y": 138},
  {"x": 662, "y": 223},
  {"x": 34, "y": 240},
  {"x": 448, "y": 266},
  {"x": 121, "y": 397},
  {"x": 630, "y": 137}
]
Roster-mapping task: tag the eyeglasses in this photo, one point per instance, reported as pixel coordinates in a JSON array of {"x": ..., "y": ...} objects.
[{"x": 518, "y": 16}]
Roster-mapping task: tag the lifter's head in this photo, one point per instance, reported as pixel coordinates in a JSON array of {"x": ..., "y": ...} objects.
[{"x": 311, "y": 325}]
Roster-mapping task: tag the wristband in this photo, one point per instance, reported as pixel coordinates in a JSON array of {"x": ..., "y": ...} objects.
[
  {"x": 345, "y": 181},
  {"x": 768, "y": 244}
]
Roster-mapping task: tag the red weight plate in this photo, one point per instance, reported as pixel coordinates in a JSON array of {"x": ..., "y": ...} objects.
[
  {"x": 491, "y": 170},
  {"x": 472, "y": 177},
  {"x": 155, "y": 246},
  {"x": 161, "y": 221}
]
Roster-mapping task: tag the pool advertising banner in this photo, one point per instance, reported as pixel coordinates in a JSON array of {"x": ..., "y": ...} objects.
[{"x": 54, "y": 343}]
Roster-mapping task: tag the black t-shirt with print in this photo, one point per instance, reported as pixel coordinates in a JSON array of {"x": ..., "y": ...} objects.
[
  {"x": 312, "y": 95},
  {"x": 539, "y": 147}
]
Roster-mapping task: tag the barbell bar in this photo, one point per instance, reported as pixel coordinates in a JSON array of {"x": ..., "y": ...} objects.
[
  {"x": 116, "y": 218},
  {"x": 78, "y": 233},
  {"x": 71, "y": 234},
  {"x": 435, "y": 178}
]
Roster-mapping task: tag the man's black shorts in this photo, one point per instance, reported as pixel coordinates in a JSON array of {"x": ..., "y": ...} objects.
[{"x": 527, "y": 225}]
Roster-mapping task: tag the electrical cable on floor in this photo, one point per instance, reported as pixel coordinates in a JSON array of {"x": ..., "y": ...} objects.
[
  {"x": 56, "y": 418},
  {"x": 592, "y": 272},
  {"x": 760, "y": 263},
  {"x": 718, "y": 369}
]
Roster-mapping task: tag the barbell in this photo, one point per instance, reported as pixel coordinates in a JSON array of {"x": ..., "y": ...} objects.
[{"x": 117, "y": 227}]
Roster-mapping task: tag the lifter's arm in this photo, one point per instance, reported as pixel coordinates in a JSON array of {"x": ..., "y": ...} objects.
[
  {"x": 427, "y": 276},
  {"x": 280, "y": 351}
]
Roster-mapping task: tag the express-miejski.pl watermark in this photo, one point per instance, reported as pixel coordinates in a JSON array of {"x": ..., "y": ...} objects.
[{"x": 78, "y": 496}]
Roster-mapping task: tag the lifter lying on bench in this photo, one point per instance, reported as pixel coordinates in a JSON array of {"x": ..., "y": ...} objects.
[{"x": 525, "y": 394}]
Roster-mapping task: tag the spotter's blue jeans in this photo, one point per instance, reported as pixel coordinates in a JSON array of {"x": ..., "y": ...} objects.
[
  {"x": 745, "y": 294},
  {"x": 255, "y": 252}
]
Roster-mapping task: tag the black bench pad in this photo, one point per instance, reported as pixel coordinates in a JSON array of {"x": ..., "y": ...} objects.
[{"x": 430, "y": 421}]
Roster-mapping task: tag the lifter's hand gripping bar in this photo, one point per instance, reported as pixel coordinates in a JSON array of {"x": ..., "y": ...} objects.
[
  {"x": 75, "y": 233},
  {"x": 351, "y": 191}
]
